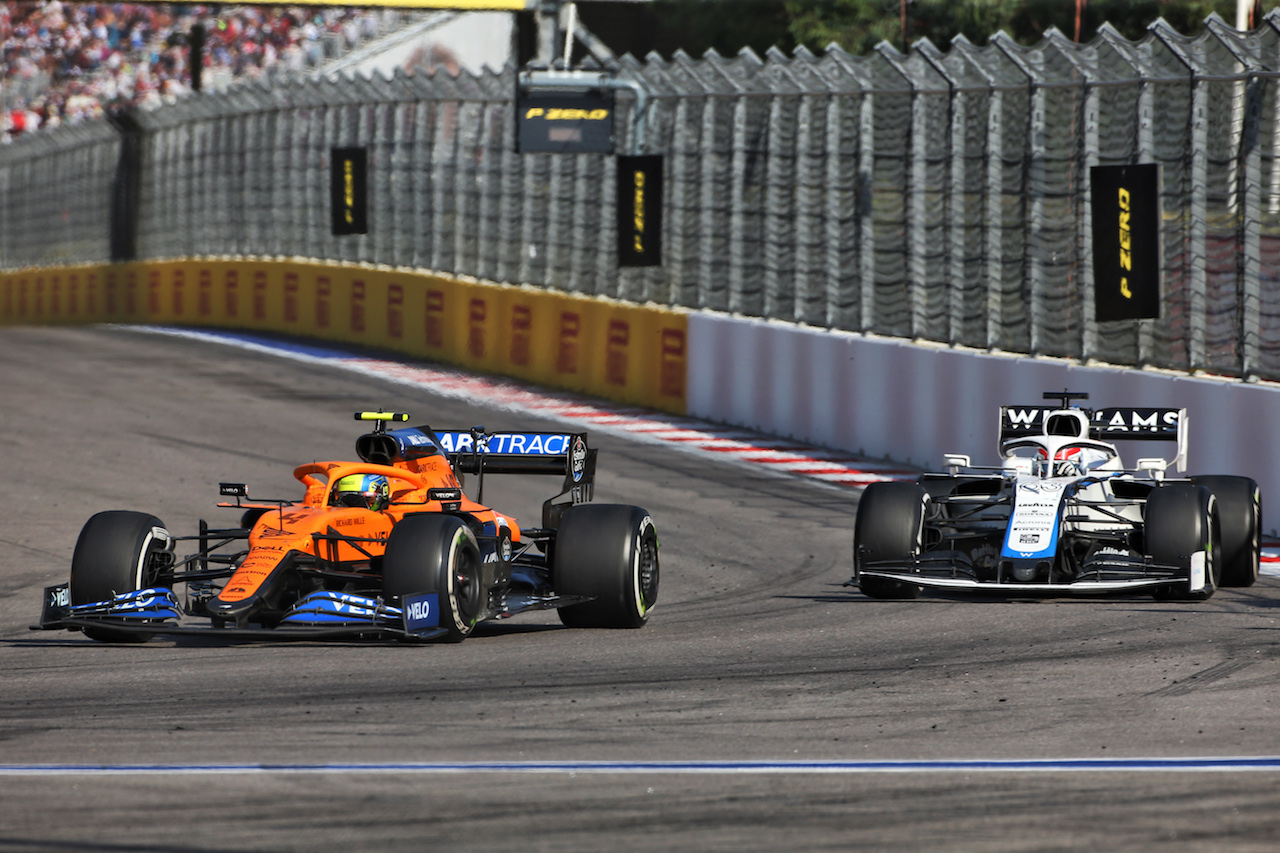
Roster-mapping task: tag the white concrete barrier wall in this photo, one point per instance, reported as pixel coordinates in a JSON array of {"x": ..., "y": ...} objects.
[{"x": 892, "y": 399}]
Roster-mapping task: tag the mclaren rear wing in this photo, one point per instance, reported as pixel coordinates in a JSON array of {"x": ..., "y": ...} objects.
[
  {"x": 475, "y": 451},
  {"x": 563, "y": 453},
  {"x": 1111, "y": 424}
]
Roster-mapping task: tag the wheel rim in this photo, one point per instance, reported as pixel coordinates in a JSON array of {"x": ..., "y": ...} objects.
[
  {"x": 149, "y": 568},
  {"x": 646, "y": 575},
  {"x": 1215, "y": 545},
  {"x": 466, "y": 588},
  {"x": 1255, "y": 543}
]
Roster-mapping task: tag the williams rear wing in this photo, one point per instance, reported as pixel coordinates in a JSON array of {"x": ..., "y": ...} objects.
[{"x": 1112, "y": 424}]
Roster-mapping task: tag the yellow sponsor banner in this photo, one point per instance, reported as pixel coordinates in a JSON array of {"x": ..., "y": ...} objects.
[
  {"x": 616, "y": 350},
  {"x": 33, "y": 296},
  {"x": 199, "y": 294},
  {"x": 602, "y": 347},
  {"x": 265, "y": 295},
  {"x": 358, "y": 308},
  {"x": 165, "y": 301},
  {"x": 75, "y": 294},
  {"x": 112, "y": 292},
  {"x": 8, "y": 297},
  {"x": 16, "y": 297},
  {"x": 124, "y": 293}
]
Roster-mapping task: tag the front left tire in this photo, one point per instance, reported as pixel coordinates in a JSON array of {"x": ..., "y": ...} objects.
[{"x": 115, "y": 554}]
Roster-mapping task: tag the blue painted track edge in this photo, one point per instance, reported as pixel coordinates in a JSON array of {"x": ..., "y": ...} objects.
[{"x": 1211, "y": 764}]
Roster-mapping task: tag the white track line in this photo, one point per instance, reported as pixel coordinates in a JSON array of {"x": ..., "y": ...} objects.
[{"x": 1051, "y": 765}]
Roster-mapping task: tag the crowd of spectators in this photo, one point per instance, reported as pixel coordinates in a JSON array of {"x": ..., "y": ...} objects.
[{"x": 68, "y": 62}]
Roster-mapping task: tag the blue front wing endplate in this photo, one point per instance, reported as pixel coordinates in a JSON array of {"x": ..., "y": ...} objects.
[{"x": 158, "y": 610}]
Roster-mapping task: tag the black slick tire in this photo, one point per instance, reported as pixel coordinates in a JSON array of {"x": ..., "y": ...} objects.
[
  {"x": 112, "y": 557},
  {"x": 608, "y": 552},
  {"x": 1240, "y": 515},
  {"x": 889, "y": 526},
  {"x": 1179, "y": 521},
  {"x": 437, "y": 553}
]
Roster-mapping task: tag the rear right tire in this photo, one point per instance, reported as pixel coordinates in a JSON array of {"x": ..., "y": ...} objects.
[
  {"x": 608, "y": 552},
  {"x": 1240, "y": 514}
]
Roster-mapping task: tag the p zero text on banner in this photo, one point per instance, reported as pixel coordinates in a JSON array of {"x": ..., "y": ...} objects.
[
  {"x": 640, "y": 211},
  {"x": 349, "y": 180},
  {"x": 1126, "y": 241},
  {"x": 576, "y": 123}
]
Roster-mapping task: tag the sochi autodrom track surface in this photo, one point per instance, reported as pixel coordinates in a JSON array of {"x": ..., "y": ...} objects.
[{"x": 765, "y": 706}]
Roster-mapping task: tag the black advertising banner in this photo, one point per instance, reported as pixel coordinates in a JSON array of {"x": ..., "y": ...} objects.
[
  {"x": 579, "y": 123},
  {"x": 349, "y": 179},
  {"x": 1126, "y": 241},
  {"x": 640, "y": 211}
]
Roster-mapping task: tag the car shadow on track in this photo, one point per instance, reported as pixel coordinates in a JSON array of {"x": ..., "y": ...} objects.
[{"x": 212, "y": 639}]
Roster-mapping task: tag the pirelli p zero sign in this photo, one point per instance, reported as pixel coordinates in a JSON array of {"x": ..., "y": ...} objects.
[
  {"x": 640, "y": 211},
  {"x": 1126, "y": 241},
  {"x": 349, "y": 179},
  {"x": 578, "y": 123}
]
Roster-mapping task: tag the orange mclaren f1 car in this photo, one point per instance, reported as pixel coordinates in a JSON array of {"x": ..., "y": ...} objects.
[{"x": 388, "y": 546}]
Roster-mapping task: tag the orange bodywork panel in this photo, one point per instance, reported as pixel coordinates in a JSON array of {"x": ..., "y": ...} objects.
[{"x": 317, "y": 527}]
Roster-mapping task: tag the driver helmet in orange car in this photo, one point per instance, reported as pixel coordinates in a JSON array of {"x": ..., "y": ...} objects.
[{"x": 370, "y": 491}]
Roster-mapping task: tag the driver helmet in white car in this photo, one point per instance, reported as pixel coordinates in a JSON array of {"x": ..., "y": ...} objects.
[{"x": 1071, "y": 460}]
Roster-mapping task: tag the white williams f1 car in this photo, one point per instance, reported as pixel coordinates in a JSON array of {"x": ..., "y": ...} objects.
[{"x": 1061, "y": 514}]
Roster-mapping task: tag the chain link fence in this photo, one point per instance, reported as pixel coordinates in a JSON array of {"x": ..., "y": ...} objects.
[{"x": 941, "y": 196}]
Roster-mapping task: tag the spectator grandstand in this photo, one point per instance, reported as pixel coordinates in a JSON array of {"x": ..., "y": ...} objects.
[{"x": 67, "y": 62}]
